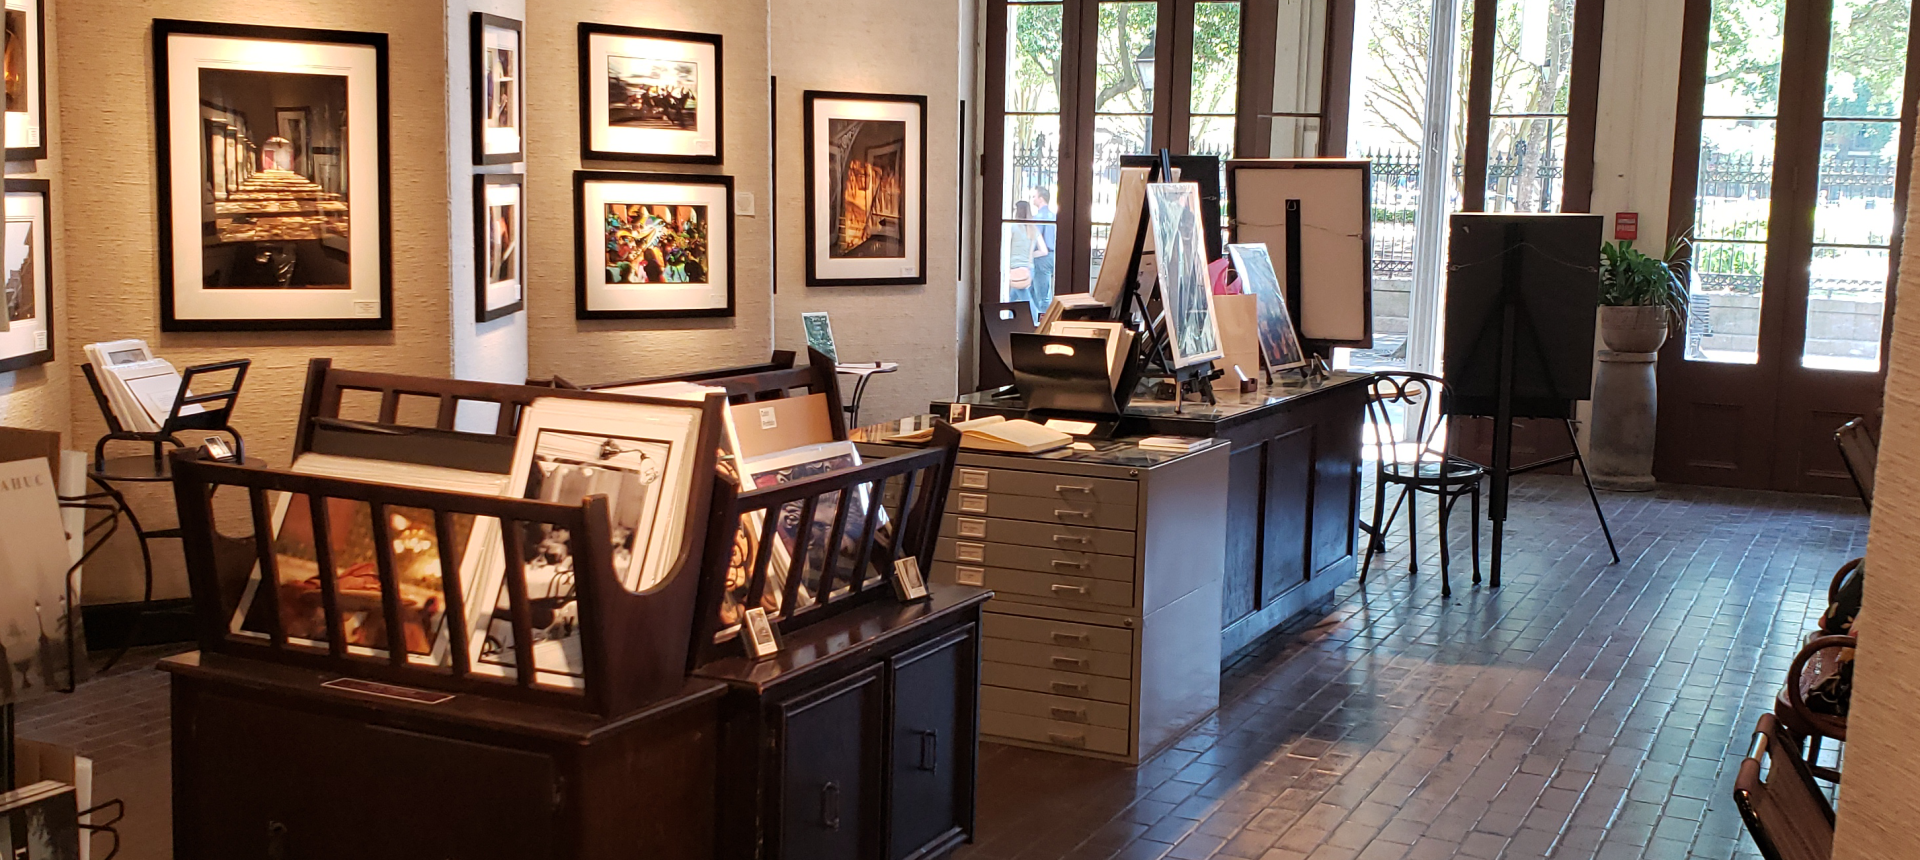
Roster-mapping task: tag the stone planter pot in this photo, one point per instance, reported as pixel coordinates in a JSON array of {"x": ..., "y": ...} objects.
[{"x": 1641, "y": 328}]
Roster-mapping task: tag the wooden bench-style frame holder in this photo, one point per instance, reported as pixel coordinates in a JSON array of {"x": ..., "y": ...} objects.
[
  {"x": 761, "y": 383},
  {"x": 924, "y": 478},
  {"x": 216, "y": 413}
]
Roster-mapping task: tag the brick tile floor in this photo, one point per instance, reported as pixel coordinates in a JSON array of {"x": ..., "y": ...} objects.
[{"x": 1583, "y": 710}]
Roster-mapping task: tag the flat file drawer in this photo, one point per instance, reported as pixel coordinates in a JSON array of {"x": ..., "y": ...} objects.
[
  {"x": 1115, "y": 567},
  {"x": 1076, "y": 736},
  {"x": 1072, "y": 684},
  {"x": 1020, "y": 653},
  {"x": 1046, "y": 486},
  {"x": 1056, "y": 708},
  {"x": 1113, "y": 640},
  {"x": 1023, "y": 533},
  {"x": 1072, "y": 512},
  {"x": 1069, "y": 591}
]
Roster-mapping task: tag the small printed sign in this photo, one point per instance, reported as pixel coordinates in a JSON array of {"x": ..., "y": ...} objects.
[
  {"x": 768, "y": 418},
  {"x": 1626, "y": 226},
  {"x": 908, "y": 584},
  {"x": 760, "y": 639}
]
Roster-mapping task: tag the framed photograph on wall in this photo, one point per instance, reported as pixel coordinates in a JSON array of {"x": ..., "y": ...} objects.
[
  {"x": 499, "y": 101},
  {"x": 866, "y": 189},
  {"x": 650, "y": 245},
  {"x": 26, "y": 329},
  {"x": 26, "y": 80},
  {"x": 649, "y": 95},
  {"x": 500, "y": 222},
  {"x": 259, "y": 231}
]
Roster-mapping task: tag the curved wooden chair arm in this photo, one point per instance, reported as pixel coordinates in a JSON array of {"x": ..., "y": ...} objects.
[
  {"x": 1840, "y": 576},
  {"x": 1827, "y": 725}
]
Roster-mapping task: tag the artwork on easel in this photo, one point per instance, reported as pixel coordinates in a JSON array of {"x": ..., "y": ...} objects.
[
  {"x": 1279, "y": 344},
  {"x": 1181, "y": 259}
]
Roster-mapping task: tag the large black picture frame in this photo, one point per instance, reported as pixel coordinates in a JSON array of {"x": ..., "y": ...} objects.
[
  {"x": 37, "y": 67},
  {"x": 816, "y": 277},
  {"x": 585, "y": 306},
  {"x": 478, "y": 69},
  {"x": 381, "y": 208},
  {"x": 44, "y": 300},
  {"x": 591, "y": 113}
]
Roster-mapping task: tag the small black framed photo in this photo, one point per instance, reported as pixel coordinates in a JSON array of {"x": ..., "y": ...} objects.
[
  {"x": 652, "y": 245},
  {"x": 761, "y": 640},
  {"x": 26, "y": 79},
  {"x": 26, "y": 327},
  {"x": 500, "y": 221},
  {"x": 866, "y": 189},
  {"x": 650, "y": 95},
  {"x": 499, "y": 99},
  {"x": 275, "y": 205}
]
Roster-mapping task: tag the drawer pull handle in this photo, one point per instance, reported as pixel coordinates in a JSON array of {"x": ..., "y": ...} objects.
[
  {"x": 1061, "y": 588},
  {"x": 1082, "y": 639},
  {"x": 830, "y": 806},
  {"x": 1068, "y": 688},
  {"x": 1078, "y": 539},
  {"x": 929, "y": 751},
  {"x": 1077, "y": 741},
  {"x": 1071, "y": 488},
  {"x": 1069, "y": 715},
  {"x": 1061, "y": 562},
  {"x": 1067, "y": 512},
  {"x": 1074, "y": 663}
]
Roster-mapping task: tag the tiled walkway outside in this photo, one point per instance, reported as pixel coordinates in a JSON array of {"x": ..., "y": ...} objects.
[{"x": 1584, "y": 710}]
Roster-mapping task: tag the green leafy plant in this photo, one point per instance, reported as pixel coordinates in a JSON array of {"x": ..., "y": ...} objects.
[{"x": 1629, "y": 278}]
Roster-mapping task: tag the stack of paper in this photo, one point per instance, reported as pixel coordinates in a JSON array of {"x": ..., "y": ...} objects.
[
  {"x": 1175, "y": 444},
  {"x": 140, "y": 388},
  {"x": 995, "y": 433}
]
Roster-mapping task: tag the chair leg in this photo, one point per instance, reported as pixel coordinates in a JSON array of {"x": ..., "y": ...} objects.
[
  {"x": 1476, "y": 533},
  {"x": 1446, "y": 507},
  {"x": 1413, "y": 530},
  {"x": 1374, "y": 543}
]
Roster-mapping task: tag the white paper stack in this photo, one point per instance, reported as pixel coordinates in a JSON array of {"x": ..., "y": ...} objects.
[{"x": 139, "y": 387}]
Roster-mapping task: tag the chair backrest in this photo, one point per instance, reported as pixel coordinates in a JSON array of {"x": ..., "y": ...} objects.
[
  {"x": 1785, "y": 811},
  {"x": 1861, "y": 452},
  {"x": 1405, "y": 416}
]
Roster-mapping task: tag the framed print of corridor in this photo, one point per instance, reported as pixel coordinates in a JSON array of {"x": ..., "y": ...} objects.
[{"x": 1791, "y": 169}]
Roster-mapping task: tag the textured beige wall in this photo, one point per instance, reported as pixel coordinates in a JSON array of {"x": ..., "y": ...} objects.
[
  {"x": 597, "y": 351},
  {"x": 875, "y": 46},
  {"x": 105, "y": 101},
  {"x": 39, "y": 398},
  {"x": 1878, "y": 808}
]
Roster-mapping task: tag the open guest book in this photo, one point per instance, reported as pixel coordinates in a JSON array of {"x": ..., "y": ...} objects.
[
  {"x": 1016, "y": 436},
  {"x": 140, "y": 388}
]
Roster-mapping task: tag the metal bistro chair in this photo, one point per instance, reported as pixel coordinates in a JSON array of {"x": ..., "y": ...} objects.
[
  {"x": 1861, "y": 452},
  {"x": 1787, "y": 815},
  {"x": 1405, "y": 417}
]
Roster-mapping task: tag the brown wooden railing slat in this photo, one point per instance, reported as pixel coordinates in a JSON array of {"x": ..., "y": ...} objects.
[
  {"x": 832, "y": 564},
  {"x": 389, "y": 586},
  {"x": 390, "y": 406},
  {"x": 455, "y": 620},
  {"x": 762, "y": 561},
  {"x": 520, "y": 608},
  {"x": 907, "y": 491},
  {"x": 269, "y": 565},
  {"x": 449, "y": 412},
  {"x": 329, "y": 585}
]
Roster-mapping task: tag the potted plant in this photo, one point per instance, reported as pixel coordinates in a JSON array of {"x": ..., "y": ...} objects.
[{"x": 1641, "y": 296}]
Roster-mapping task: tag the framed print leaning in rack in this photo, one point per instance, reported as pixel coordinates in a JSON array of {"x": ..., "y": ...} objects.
[
  {"x": 293, "y": 239},
  {"x": 26, "y": 327},
  {"x": 499, "y": 101},
  {"x": 866, "y": 189},
  {"x": 500, "y": 219},
  {"x": 26, "y": 79},
  {"x": 649, "y": 95},
  {"x": 651, "y": 245}
]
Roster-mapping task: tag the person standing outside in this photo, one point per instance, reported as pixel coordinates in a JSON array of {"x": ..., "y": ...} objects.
[{"x": 1040, "y": 296}]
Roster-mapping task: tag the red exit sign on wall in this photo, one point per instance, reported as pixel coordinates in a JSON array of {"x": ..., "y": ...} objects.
[{"x": 1626, "y": 226}]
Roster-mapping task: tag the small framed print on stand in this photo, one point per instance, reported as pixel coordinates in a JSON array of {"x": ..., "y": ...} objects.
[
  {"x": 499, "y": 100},
  {"x": 500, "y": 220},
  {"x": 651, "y": 245},
  {"x": 26, "y": 327},
  {"x": 256, "y": 232},
  {"x": 758, "y": 635},
  {"x": 26, "y": 80},
  {"x": 908, "y": 584},
  {"x": 650, "y": 95},
  {"x": 866, "y": 189}
]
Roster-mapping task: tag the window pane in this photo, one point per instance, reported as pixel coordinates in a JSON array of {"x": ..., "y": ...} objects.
[
  {"x": 1216, "y": 58},
  {"x": 1846, "y": 304},
  {"x": 1032, "y": 160},
  {"x": 1113, "y": 136},
  {"x": 1743, "y": 58},
  {"x": 1033, "y": 58},
  {"x": 1296, "y": 137},
  {"x": 1859, "y": 162},
  {"x": 1027, "y": 265},
  {"x": 1866, "y": 72},
  {"x": 1533, "y": 56},
  {"x": 1526, "y": 161},
  {"x": 1213, "y": 135},
  {"x": 1300, "y": 62},
  {"x": 1124, "y": 74},
  {"x": 1724, "y": 317},
  {"x": 1735, "y": 196}
]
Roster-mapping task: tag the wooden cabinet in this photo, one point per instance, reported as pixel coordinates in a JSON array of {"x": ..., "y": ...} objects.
[
  {"x": 830, "y": 785},
  {"x": 931, "y": 702}
]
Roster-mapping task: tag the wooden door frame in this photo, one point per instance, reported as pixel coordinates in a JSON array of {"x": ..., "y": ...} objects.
[{"x": 1583, "y": 105}]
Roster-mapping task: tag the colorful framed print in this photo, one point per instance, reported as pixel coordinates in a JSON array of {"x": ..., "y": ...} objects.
[
  {"x": 650, "y": 95},
  {"x": 652, "y": 245},
  {"x": 500, "y": 223},
  {"x": 1180, "y": 255},
  {"x": 499, "y": 100},
  {"x": 258, "y": 231},
  {"x": 26, "y": 327},
  {"x": 1279, "y": 342},
  {"x": 866, "y": 189},
  {"x": 26, "y": 80}
]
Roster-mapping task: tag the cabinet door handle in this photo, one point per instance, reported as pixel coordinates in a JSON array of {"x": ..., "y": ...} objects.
[
  {"x": 1077, "y": 565},
  {"x": 1068, "y": 512},
  {"x": 1070, "y": 663},
  {"x": 1077, "y": 539},
  {"x": 1064, "y": 687},
  {"x": 930, "y": 751},
  {"x": 1081, "y": 639},
  {"x": 1077, "y": 741},
  {"x": 1070, "y": 715},
  {"x": 1062, "y": 588},
  {"x": 1071, "y": 488},
  {"x": 830, "y": 806}
]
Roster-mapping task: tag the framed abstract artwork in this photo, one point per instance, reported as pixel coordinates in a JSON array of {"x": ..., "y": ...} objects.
[
  {"x": 866, "y": 161},
  {"x": 26, "y": 327},
  {"x": 259, "y": 231},
  {"x": 499, "y": 100},
  {"x": 651, "y": 245},
  {"x": 1180, "y": 250},
  {"x": 650, "y": 95},
  {"x": 1279, "y": 342},
  {"x": 500, "y": 220},
  {"x": 26, "y": 80}
]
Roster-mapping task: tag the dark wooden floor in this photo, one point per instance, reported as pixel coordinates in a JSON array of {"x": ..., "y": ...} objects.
[{"x": 1584, "y": 710}]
